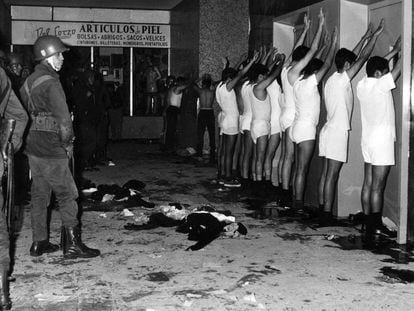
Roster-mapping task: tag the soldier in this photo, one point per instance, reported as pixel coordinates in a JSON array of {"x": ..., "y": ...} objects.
[
  {"x": 14, "y": 67},
  {"x": 49, "y": 146},
  {"x": 10, "y": 108}
]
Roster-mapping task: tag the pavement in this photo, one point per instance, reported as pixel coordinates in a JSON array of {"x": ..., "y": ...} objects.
[{"x": 283, "y": 263}]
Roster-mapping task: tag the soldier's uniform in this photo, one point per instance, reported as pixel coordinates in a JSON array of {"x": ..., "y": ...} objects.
[
  {"x": 10, "y": 108},
  {"x": 48, "y": 147}
]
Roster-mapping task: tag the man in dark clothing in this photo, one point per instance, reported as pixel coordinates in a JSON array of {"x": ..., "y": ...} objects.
[
  {"x": 10, "y": 108},
  {"x": 91, "y": 102},
  {"x": 49, "y": 147},
  {"x": 21, "y": 167}
]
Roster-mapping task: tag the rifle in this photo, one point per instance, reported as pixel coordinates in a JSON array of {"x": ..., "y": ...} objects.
[{"x": 6, "y": 148}]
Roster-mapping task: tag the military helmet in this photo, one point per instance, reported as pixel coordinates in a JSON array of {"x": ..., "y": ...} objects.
[
  {"x": 14, "y": 59},
  {"x": 47, "y": 46}
]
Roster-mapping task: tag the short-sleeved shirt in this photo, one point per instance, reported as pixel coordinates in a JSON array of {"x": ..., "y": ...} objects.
[
  {"x": 307, "y": 100},
  {"x": 338, "y": 101},
  {"x": 48, "y": 97},
  {"x": 377, "y": 107}
]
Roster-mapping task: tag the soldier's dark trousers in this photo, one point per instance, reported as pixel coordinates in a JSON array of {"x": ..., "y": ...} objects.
[
  {"x": 206, "y": 120},
  {"x": 51, "y": 175},
  {"x": 4, "y": 241}
]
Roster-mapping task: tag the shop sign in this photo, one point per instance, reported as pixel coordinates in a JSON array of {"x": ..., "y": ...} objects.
[{"x": 93, "y": 34}]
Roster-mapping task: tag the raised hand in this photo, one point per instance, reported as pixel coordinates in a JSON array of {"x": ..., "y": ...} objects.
[
  {"x": 397, "y": 45},
  {"x": 369, "y": 31},
  {"x": 256, "y": 56},
  {"x": 321, "y": 17},
  {"x": 306, "y": 21},
  {"x": 380, "y": 28}
]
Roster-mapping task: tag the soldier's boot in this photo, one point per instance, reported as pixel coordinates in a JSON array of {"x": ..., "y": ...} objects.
[{"x": 72, "y": 244}]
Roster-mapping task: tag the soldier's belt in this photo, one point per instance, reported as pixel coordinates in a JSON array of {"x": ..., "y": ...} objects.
[{"x": 44, "y": 124}]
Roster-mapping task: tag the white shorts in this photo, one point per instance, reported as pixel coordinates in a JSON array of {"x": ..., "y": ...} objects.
[
  {"x": 275, "y": 126},
  {"x": 230, "y": 125},
  {"x": 379, "y": 151},
  {"x": 259, "y": 128},
  {"x": 302, "y": 131},
  {"x": 286, "y": 118},
  {"x": 245, "y": 123},
  {"x": 333, "y": 143}
]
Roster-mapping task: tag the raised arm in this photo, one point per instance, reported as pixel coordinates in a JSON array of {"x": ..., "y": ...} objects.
[
  {"x": 296, "y": 70},
  {"x": 366, "y": 52},
  {"x": 396, "y": 49},
  {"x": 302, "y": 37},
  {"x": 324, "y": 45},
  {"x": 396, "y": 70},
  {"x": 265, "y": 59},
  {"x": 232, "y": 83},
  {"x": 278, "y": 61},
  {"x": 329, "y": 57},
  {"x": 357, "y": 49},
  {"x": 242, "y": 58}
]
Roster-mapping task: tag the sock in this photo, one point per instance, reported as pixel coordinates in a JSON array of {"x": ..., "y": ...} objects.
[
  {"x": 321, "y": 207},
  {"x": 298, "y": 204},
  {"x": 376, "y": 220}
]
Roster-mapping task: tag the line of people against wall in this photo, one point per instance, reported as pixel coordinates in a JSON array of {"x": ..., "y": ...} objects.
[{"x": 273, "y": 101}]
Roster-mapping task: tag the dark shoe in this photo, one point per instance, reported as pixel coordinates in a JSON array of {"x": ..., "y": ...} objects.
[
  {"x": 42, "y": 247},
  {"x": 5, "y": 302},
  {"x": 72, "y": 244}
]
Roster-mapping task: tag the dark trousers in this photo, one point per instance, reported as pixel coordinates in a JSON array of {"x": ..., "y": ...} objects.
[
  {"x": 206, "y": 120},
  {"x": 101, "y": 140},
  {"x": 4, "y": 234},
  {"x": 51, "y": 175},
  {"x": 21, "y": 178},
  {"x": 115, "y": 123},
  {"x": 86, "y": 141},
  {"x": 171, "y": 118}
]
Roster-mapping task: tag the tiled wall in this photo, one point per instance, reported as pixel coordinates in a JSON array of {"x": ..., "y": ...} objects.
[{"x": 224, "y": 30}]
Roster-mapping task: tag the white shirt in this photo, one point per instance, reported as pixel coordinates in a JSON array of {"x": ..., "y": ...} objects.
[
  {"x": 339, "y": 101},
  {"x": 377, "y": 107},
  {"x": 275, "y": 94},
  {"x": 245, "y": 93},
  {"x": 289, "y": 102},
  {"x": 307, "y": 100},
  {"x": 261, "y": 109},
  {"x": 226, "y": 100}
]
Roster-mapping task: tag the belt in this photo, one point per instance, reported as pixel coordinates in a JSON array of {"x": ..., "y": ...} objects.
[{"x": 44, "y": 123}]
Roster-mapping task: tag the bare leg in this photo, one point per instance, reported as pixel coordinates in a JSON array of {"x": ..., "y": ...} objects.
[
  {"x": 322, "y": 180},
  {"x": 305, "y": 152},
  {"x": 287, "y": 160},
  {"x": 366, "y": 189},
  {"x": 248, "y": 148},
  {"x": 379, "y": 181},
  {"x": 236, "y": 154},
  {"x": 261, "y": 145},
  {"x": 273, "y": 143},
  {"x": 229, "y": 146},
  {"x": 220, "y": 156},
  {"x": 334, "y": 167}
]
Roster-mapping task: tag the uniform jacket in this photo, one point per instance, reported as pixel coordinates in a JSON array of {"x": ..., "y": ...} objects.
[{"x": 49, "y": 98}]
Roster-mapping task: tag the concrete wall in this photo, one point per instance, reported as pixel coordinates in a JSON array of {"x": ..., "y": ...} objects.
[
  {"x": 185, "y": 21},
  {"x": 224, "y": 30}
]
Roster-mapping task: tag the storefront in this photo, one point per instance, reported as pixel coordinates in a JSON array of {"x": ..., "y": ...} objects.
[{"x": 122, "y": 45}]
